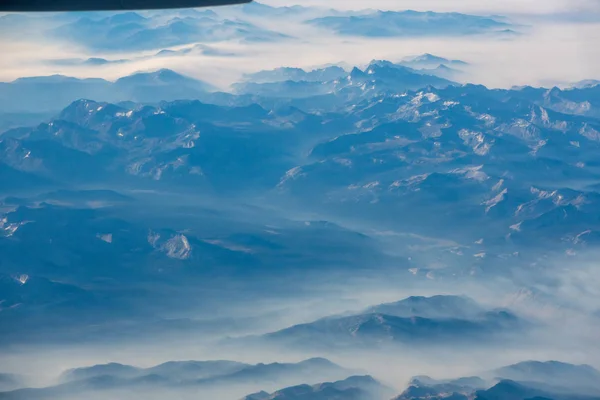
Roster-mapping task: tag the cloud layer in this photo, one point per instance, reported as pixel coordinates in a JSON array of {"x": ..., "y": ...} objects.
[{"x": 548, "y": 51}]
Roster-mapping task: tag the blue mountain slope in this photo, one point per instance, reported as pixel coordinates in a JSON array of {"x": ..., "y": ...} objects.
[
  {"x": 429, "y": 61},
  {"x": 525, "y": 380},
  {"x": 161, "y": 85},
  {"x": 134, "y": 251},
  {"x": 309, "y": 370},
  {"x": 259, "y": 9},
  {"x": 114, "y": 369},
  {"x": 378, "y": 77},
  {"x": 52, "y": 93},
  {"x": 353, "y": 388},
  {"x": 285, "y": 89},
  {"x": 296, "y": 74},
  {"x": 10, "y": 382},
  {"x": 582, "y": 101},
  {"x": 511, "y": 390},
  {"x": 449, "y": 389},
  {"x": 175, "y": 371},
  {"x": 16, "y": 179},
  {"x": 443, "y": 147},
  {"x": 415, "y": 320},
  {"x": 431, "y": 307},
  {"x": 576, "y": 377}
]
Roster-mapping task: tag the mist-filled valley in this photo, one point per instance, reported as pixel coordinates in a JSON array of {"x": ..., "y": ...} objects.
[{"x": 277, "y": 202}]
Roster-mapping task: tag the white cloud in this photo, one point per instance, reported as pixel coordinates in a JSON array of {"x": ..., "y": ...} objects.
[{"x": 549, "y": 52}]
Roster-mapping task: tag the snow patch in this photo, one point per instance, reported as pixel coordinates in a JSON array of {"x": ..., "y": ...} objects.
[
  {"x": 521, "y": 129},
  {"x": 178, "y": 247},
  {"x": 418, "y": 99},
  {"x": 430, "y": 130},
  {"x": 371, "y": 185},
  {"x": 476, "y": 141},
  {"x": 498, "y": 185},
  {"x": 107, "y": 237},
  {"x": 7, "y": 229},
  {"x": 487, "y": 119},
  {"x": 536, "y": 147},
  {"x": 451, "y": 103},
  {"x": 153, "y": 238},
  {"x": 543, "y": 194},
  {"x": 292, "y": 174},
  {"x": 432, "y": 97},
  {"x": 412, "y": 181},
  {"x": 545, "y": 117},
  {"x": 578, "y": 239},
  {"x": 127, "y": 114},
  {"x": 589, "y": 132},
  {"x": 473, "y": 172},
  {"x": 495, "y": 200},
  {"x": 343, "y": 161}
]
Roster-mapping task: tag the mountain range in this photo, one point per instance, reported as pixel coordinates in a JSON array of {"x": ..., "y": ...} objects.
[
  {"x": 131, "y": 31},
  {"x": 426, "y": 321},
  {"x": 428, "y": 61},
  {"x": 409, "y": 23},
  {"x": 379, "y": 76},
  {"x": 35, "y": 98},
  {"x": 352, "y": 388},
  {"x": 321, "y": 233},
  {"x": 516, "y": 161},
  {"x": 141, "y": 31},
  {"x": 101, "y": 256},
  {"x": 52, "y": 93},
  {"x": 582, "y": 378},
  {"x": 530, "y": 379},
  {"x": 418, "y": 164},
  {"x": 525, "y": 380},
  {"x": 296, "y": 74},
  {"x": 184, "y": 375}
]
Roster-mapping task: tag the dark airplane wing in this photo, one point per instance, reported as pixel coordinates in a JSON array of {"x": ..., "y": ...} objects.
[{"x": 99, "y": 5}]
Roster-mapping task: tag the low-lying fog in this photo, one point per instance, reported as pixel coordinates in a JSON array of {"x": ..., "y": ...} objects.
[
  {"x": 566, "y": 334},
  {"x": 555, "y": 298}
]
